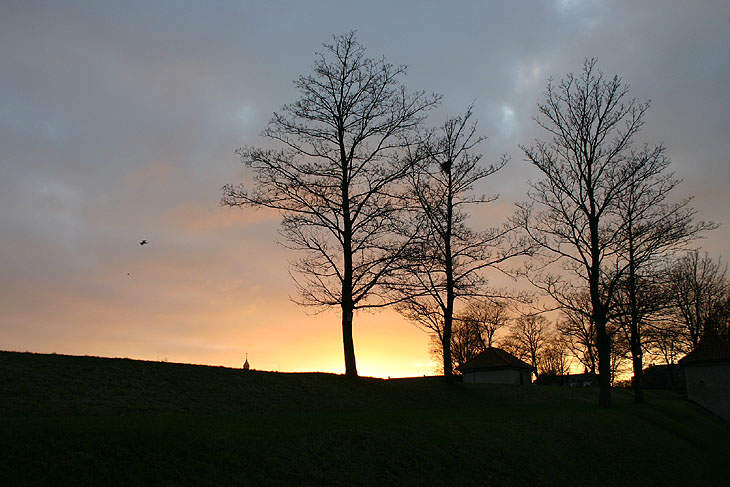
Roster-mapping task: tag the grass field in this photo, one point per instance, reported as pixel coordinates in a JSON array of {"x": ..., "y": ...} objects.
[{"x": 93, "y": 421}]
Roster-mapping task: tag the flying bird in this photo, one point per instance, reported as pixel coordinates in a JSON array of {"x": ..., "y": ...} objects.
[{"x": 144, "y": 242}]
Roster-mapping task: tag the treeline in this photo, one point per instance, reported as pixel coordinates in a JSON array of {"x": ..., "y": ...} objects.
[
  {"x": 688, "y": 294},
  {"x": 377, "y": 206}
]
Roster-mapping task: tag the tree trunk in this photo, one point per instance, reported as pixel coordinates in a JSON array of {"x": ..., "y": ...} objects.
[
  {"x": 347, "y": 299},
  {"x": 448, "y": 364},
  {"x": 635, "y": 336},
  {"x": 604, "y": 362},
  {"x": 638, "y": 381},
  {"x": 636, "y": 353},
  {"x": 603, "y": 341},
  {"x": 449, "y": 317},
  {"x": 349, "y": 346},
  {"x": 449, "y": 261}
]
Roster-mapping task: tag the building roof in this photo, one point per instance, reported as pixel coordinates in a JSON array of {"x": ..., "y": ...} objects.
[
  {"x": 494, "y": 358},
  {"x": 711, "y": 348}
]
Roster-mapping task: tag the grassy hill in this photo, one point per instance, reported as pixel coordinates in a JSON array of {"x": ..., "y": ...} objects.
[{"x": 90, "y": 421}]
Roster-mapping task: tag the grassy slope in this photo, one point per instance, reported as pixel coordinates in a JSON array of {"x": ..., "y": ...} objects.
[{"x": 87, "y": 421}]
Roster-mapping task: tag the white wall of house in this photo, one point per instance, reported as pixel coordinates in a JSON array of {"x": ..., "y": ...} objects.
[
  {"x": 498, "y": 376},
  {"x": 709, "y": 386}
]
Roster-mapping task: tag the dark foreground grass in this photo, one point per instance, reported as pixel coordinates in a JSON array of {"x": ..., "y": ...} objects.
[{"x": 91, "y": 421}]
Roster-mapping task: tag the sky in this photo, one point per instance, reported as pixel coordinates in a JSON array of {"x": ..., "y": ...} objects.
[{"x": 119, "y": 122}]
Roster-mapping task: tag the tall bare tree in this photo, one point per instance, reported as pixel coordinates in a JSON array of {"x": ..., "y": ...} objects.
[
  {"x": 586, "y": 168},
  {"x": 335, "y": 177},
  {"x": 450, "y": 260},
  {"x": 651, "y": 229}
]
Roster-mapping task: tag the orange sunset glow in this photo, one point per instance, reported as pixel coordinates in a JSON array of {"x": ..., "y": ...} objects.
[{"x": 119, "y": 124}]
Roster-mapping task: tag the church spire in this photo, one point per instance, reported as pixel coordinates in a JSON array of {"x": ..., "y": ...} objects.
[{"x": 246, "y": 366}]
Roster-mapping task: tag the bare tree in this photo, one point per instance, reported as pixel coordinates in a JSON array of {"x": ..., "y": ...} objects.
[
  {"x": 473, "y": 330},
  {"x": 700, "y": 294},
  {"x": 641, "y": 304},
  {"x": 487, "y": 316},
  {"x": 586, "y": 167},
  {"x": 555, "y": 357},
  {"x": 579, "y": 332},
  {"x": 529, "y": 335},
  {"x": 620, "y": 354},
  {"x": 664, "y": 340},
  {"x": 466, "y": 343},
  {"x": 651, "y": 228},
  {"x": 335, "y": 177},
  {"x": 450, "y": 260}
]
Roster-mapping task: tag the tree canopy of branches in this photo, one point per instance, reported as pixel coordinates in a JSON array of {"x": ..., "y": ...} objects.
[
  {"x": 487, "y": 316},
  {"x": 474, "y": 330},
  {"x": 528, "y": 339},
  {"x": 578, "y": 332},
  {"x": 449, "y": 260},
  {"x": 335, "y": 177},
  {"x": 664, "y": 340},
  {"x": 577, "y": 327},
  {"x": 651, "y": 227},
  {"x": 555, "y": 357},
  {"x": 700, "y": 296},
  {"x": 587, "y": 167}
]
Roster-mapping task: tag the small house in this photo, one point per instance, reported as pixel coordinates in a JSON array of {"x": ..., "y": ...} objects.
[
  {"x": 707, "y": 374},
  {"x": 495, "y": 366}
]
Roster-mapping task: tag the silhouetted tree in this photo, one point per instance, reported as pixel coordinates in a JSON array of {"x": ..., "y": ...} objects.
[
  {"x": 473, "y": 330},
  {"x": 555, "y": 358},
  {"x": 664, "y": 340},
  {"x": 466, "y": 343},
  {"x": 587, "y": 167},
  {"x": 529, "y": 335},
  {"x": 579, "y": 331},
  {"x": 651, "y": 228},
  {"x": 699, "y": 293},
  {"x": 641, "y": 304},
  {"x": 487, "y": 317},
  {"x": 336, "y": 176},
  {"x": 450, "y": 259},
  {"x": 620, "y": 354}
]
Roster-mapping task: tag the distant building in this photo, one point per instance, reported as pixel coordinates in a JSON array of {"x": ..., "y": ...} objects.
[
  {"x": 495, "y": 366},
  {"x": 246, "y": 366},
  {"x": 669, "y": 377},
  {"x": 707, "y": 373},
  {"x": 588, "y": 379}
]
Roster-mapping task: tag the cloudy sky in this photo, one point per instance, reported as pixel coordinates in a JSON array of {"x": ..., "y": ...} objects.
[{"x": 119, "y": 121}]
